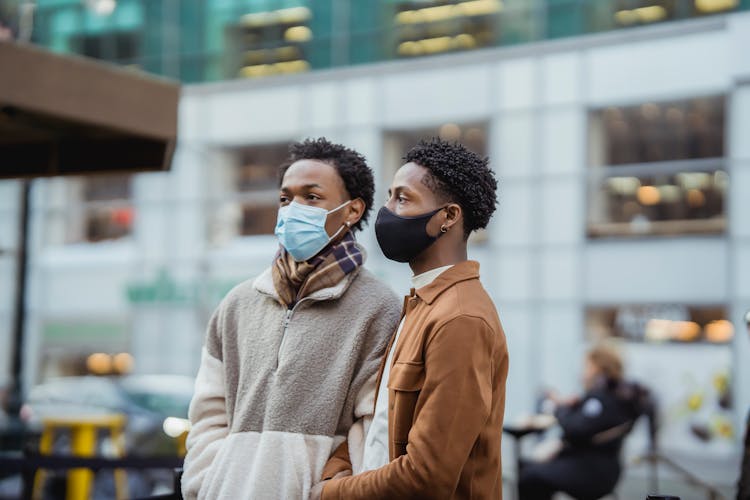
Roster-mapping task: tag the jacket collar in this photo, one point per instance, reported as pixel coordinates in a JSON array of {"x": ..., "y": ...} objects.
[
  {"x": 264, "y": 285},
  {"x": 462, "y": 271}
]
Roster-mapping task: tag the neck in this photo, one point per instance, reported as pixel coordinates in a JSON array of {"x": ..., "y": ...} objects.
[{"x": 434, "y": 257}]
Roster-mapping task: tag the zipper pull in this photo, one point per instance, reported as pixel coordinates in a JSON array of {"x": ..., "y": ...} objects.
[{"x": 287, "y": 318}]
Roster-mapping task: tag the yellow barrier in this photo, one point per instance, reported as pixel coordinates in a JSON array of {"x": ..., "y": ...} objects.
[{"x": 83, "y": 433}]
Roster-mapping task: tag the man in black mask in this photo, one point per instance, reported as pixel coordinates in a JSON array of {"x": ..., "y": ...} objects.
[{"x": 441, "y": 389}]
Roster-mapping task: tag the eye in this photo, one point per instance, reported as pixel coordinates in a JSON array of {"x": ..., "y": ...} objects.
[
  {"x": 283, "y": 199},
  {"x": 400, "y": 199},
  {"x": 313, "y": 196}
]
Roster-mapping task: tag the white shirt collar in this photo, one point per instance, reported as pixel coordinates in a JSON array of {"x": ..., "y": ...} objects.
[{"x": 427, "y": 277}]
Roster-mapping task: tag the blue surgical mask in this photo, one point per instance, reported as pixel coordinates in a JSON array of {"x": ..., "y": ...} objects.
[{"x": 301, "y": 229}]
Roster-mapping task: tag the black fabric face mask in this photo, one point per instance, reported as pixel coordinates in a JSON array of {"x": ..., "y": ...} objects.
[{"x": 403, "y": 238}]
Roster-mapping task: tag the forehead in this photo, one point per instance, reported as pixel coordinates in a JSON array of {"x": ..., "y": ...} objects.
[
  {"x": 308, "y": 172},
  {"x": 410, "y": 176}
]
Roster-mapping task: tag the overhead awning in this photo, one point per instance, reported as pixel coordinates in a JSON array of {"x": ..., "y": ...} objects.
[{"x": 67, "y": 115}]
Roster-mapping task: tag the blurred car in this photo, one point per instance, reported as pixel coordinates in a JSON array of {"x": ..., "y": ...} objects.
[{"x": 156, "y": 406}]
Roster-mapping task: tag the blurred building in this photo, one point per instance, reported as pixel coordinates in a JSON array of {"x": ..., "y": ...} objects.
[{"x": 616, "y": 127}]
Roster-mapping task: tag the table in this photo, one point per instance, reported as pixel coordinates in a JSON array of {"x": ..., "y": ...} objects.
[
  {"x": 83, "y": 434},
  {"x": 534, "y": 424}
]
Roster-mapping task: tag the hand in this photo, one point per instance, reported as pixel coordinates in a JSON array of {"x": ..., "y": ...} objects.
[{"x": 317, "y": 491}]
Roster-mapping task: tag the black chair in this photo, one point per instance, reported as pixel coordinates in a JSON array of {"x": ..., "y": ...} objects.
[{"x": 176, "y": 486}]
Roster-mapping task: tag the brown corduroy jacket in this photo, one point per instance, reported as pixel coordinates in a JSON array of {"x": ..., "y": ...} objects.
[{"x": 446, "y": 393}]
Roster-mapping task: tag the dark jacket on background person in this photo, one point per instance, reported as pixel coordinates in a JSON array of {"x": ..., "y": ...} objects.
[
  {"x": 743, "y": 486},
  {"x": 446, "y": 396},
  {"x": 588, "y": 466}
]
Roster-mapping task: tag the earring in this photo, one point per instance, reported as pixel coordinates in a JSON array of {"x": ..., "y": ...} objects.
[
  {"x": 348, "y": 224},
  {"x": 443, "y": 229}
]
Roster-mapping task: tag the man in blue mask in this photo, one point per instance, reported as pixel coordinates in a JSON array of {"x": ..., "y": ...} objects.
[{"x": 288, "y": 369}]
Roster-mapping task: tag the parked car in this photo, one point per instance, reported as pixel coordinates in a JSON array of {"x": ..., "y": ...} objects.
[
  {"x": 155, "y": 406},
  {"x": 148, "y": 401}
]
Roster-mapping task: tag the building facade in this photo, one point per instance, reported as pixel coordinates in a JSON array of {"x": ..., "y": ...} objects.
[{"x": 624, "y": 179}]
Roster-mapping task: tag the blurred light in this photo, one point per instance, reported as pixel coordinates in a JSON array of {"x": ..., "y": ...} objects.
[
  {"x": 444, "y": 12},
  {"x": 450, "y": 132},
  {"x": 480, "y": 7},
  {"x": 624, "y": 185},
  {"x": 291, "y": 15},
  {"x": 696, "y": 198},
  {"x": 715, "y": 5},
  {"x": 175, "y": 427},
  {"x": 99, "y": 363},
  {"x": 651, "y": 13},
  {"x": 648, "y": 14},
  {"x": 719, "y": 331},
  {"x": 685, "y": 331},
  {"x": 409, "y": 49},
  {"x": 259, "y": 70},
  {"x": 123, "y": 362},
  {"x": 465, "y": 41},
  {"x": 101, "y": 7},
  {"x": 626, "y": 17},
  {"x": 658, "y": 330},
  {"x": 694, "y": 180},
  {"x": 648, "y": 195},
  {"x": 721, "y": 180},
  {"x": 298, "y": 34},
  {"x": 669, "y": 193},
  {"x": 474, "y": 134},
  {"x": 123, "y": 216},
  {"x": 433, "y": 45}
]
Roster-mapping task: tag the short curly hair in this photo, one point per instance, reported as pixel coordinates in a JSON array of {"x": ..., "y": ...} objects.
[
  {"x": 351, "y": 166},
  {"x": 460, "y": 176}
]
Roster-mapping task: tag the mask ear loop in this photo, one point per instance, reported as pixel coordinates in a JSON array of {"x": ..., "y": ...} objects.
[{"x": 346, "y": 224}]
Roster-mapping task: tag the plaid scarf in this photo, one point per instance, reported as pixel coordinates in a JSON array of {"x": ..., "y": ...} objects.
[{"x": 295, "y": 280}]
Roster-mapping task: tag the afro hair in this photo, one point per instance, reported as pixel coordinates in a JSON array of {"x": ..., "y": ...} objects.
[
  {"x": 458, "y": 175},
  {"x": 351, "y": 166}
]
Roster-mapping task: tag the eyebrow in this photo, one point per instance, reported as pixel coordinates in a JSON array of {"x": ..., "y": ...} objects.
[{"x": 306, "y": 186}]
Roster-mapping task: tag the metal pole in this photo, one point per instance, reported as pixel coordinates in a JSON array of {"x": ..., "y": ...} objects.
[{"x": 19, "y": 316}]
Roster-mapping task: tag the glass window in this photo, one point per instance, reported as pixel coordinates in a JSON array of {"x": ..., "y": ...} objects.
[
  {"x": 253, "y": 196},
  {"x": 433, "y": 27},
  {"x": 96, "y": 208},
  {"x": 660, "y": 323},
  {"x": 270, "y": 42},
  {"x": 110, "y": 46},
  {"x": 397, "y": 144},
  {"x": 658, "y": 169}
]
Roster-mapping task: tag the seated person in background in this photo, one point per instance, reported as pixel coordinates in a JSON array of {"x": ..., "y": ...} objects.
[
  {"x": 594, "y": 426},
  {"x": 743, "y": 485}
]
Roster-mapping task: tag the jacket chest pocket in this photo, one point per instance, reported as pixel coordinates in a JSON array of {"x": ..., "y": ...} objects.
[{"x": 405, "y": 383}]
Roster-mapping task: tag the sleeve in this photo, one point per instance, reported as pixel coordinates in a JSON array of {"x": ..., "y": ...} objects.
[
  {"x": 207, "y": 414},
  {"x": 349, "y": 454},
  {"x": 582, "y": 421},
  {"x": 461, "y": 359},
  {"x": 743, "y": 484}
]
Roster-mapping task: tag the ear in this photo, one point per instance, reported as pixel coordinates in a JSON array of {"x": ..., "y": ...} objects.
[
  {"x": 452, "y": 215},
  {"x": 354, "y": 211}
]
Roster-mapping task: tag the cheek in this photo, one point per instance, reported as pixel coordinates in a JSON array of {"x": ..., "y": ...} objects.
[{"x": 335, "y": 221}]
